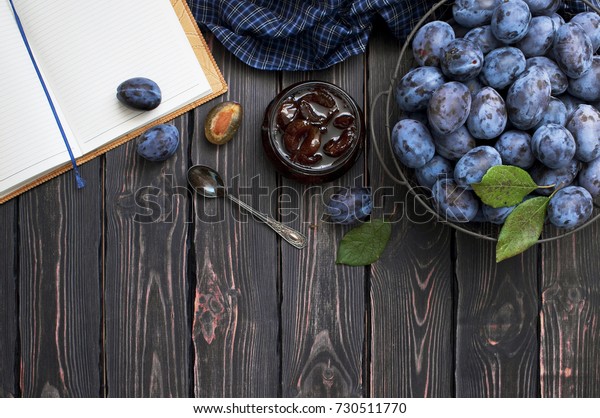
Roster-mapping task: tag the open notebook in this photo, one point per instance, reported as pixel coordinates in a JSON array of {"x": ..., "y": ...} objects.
[{"x": 85, "y": 49}]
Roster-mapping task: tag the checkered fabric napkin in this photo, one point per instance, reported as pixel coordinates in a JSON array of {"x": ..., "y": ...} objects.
[{"x": 307, "y": 34}]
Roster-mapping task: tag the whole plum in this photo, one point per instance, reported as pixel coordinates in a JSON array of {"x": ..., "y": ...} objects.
[
  {"x": 487, "y": 118},
  {"x": 510, "y": 21},
  {"x": 350, "y": 206},
  {"x": 461, "y": 60},
  {"x": 436, "y": 168},
  {"x": 496, "y": 215},
  {"x": 539, "y": 37},
  {"x": 553, "y": 145},
  {"x": 429, "y": 40},
  {"x": 474, "y": 164},
  {"x": 474, "y": 86},
  {"x": 453, "y": 202},
  {"x": 483, "y": 36},
  {"x": 589, "y": 177},
  {"x": 587, "y": 87},
  {"x": 556, "y": 112},
  {"x": 449, "y": 107},
  {"x": 558, "y": 80},
  {"x": 570, "y": 207},
  {"x": 158, "y": 143},
  {"x": 515, "y": 149},
  {"x": 502, "y": 67},
  {"x": 571, "y": 103},
  {"x": 528, "y": 98},
  {"x": 454, "y": 145},
  {"x": 472, "y": 13},
  {"x": 412, "y": 143},
  {"x": 415, "y": 89},
  {"x": 590, "y": 22},
  {"x": 543, "y": 7},
  {"x": 559, "y": 177},
  {"x": 585, "y": 127},
  {"x": 139, "y": 93},
  {"x": 573, "y": 50},
  {"x": 558, "y": 20}
]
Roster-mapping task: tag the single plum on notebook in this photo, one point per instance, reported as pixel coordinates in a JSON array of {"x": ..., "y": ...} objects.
[{"x": 84, "y": 50}]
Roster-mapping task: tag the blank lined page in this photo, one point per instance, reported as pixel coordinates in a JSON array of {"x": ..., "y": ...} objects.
[
  {"x": 30, "y": 141},
  {"x": 88, "y": 47}
]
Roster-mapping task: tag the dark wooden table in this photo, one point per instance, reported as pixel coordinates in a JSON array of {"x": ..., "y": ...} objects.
[{"x": 131, "y": 287}]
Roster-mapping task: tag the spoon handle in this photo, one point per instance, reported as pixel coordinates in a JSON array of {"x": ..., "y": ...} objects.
[{"x": 292, "y": 236}]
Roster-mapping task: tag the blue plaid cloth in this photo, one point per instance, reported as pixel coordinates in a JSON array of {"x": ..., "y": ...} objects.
[{"x": 307, "y": 34}]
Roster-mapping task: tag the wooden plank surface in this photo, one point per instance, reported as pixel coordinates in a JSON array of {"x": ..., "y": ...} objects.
[
  {"x": 146, "y": 333},
  {"x": 570, "y": 316},
  {"x": 322, "y": 310},
  {"x": 59, "y": 286},
  {"x": 8, "y": 300},
  {"x": 497, "y": 353},
  {"x": 235, "y": 286},
  {"x": 410, "y": 294}
]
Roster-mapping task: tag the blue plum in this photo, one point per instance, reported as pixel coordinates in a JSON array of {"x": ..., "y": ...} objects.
[
  {"x": 487, "y": 118},
  {"x": 158, "y": 143},
  {"x": 449, "y": 107},
  {"x": 528, "y": 98},
  {"x": 454, "y": 145},
  {"x": 502, "y": 67},
  {"x": 514, "y": 148},
  {"x": 572, "y": 50},
  {"x": 553, "y": 145},
  {"x": 412, "y": 143},
  {"x": 539, "y": 37},
  {"x": 438, "y": 167},
  {"x": 483, "y": 37},
  {"x": 571, "y": 103},
  {"x": 461, "y": 60},
  {"x": 585, "y": 127},
  {"x": 558, "y": 20},
  {"x": 429, "y": 40},
  {"x": 510, "y": 21},
  {"x": 350, "y": 206},
  {"x": 454, "y": 203},
  {"x": 589, "y": 177},
  {"x": 496, "y": 215},
  {"x": 474, "y": 164},
  {"x": 472, "y": 13},
  {"x": 559, "y": 177},
  {"x": 570, "y": 207},
  {"x": 543, "y": 7},
  {"x": 139, "y": 93},
  {"x": 587, "y": 87},
  {"x": 558, "y": 80},
  {"x": 590, "y": 22},
  {"x": 416, "y": 88},
  {"x": 556, "y": 112}
]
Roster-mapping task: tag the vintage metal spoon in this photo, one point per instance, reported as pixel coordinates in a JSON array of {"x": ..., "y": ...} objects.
[{"x": 209, "y": 183}]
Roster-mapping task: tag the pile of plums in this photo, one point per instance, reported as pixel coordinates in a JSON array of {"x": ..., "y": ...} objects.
[{"x": 521, "y": 88}]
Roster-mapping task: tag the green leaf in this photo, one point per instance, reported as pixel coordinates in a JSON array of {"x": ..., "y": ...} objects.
[
  {"x": 522, "y": 228},
  {"x": 504, "y": 185},
  {"x": 364, "y": 245}
]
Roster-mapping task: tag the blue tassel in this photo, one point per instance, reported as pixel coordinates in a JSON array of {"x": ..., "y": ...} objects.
[{"x": 78, "y": 178}]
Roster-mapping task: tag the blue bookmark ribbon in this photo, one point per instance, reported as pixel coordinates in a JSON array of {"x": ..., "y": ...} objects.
[{"x": 80, "y": 181}]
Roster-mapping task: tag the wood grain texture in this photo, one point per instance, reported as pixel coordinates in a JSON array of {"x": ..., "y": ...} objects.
[
  {"x": 8, "y": 298},
  {"x": 322, "y": 310},
  {"x": 235, "y": 311},
  {"x": 497, "y": 353},
  {"x": 59, "y": 286},
  {"x": 145, "y": 273},
  {"x": 570, "y": 316},
  {"x": 410, "y": 318}
]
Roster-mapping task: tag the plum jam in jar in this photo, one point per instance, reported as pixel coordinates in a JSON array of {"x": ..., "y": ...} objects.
[{"x": 313, "y": 132}]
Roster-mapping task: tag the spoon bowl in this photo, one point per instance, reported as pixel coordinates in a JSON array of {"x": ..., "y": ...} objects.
[{"x": 207, "y": 182}]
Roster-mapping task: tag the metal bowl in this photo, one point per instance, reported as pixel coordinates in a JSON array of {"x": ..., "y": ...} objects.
[{"x": 405, "y": 176}]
